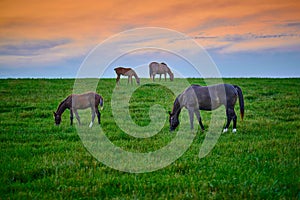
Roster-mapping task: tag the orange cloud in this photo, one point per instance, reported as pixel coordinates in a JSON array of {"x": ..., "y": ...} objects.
[{"x": 87, "y": 23}]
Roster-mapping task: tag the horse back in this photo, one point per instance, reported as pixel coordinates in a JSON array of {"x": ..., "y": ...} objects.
[
  {"x": 123, "y": 71},
  {"x": 210, "y": 97},
  {"x": 158, "y": 68},
  {"x": 85, "y": 100},
  {"x": 153, "y": 67}
]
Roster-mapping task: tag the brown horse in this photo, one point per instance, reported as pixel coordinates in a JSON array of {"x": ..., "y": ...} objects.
[
  {"x": 80, "y": 101},
  {"x": 126, "y": 72},
  {"x": 159, "y": 68}
]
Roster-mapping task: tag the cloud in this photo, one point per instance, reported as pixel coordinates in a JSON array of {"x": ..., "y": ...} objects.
[
  {"x": 293, "y": 24},
  {"x": 231, "y": 43},
  {"x": 32, "y": 47},
  {"x": 253, "y": 36},
  {"x": 259, "y": 43},
  {"x": 36, "y": 32}
]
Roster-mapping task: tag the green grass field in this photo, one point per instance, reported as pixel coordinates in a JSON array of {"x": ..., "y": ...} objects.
[{"x": 41, "y": 160}]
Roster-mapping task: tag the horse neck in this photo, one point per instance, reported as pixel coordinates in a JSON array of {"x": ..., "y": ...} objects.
[
  {"x": 62, "y": 107},
  {"x": 176, "y": 107},
  {"x": 168, "y": 71},
  {"x": 135, "y": 75}
]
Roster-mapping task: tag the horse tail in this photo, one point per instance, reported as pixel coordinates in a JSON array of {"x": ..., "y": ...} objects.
[
  {"x": 241, "y": 100},
  {"x": 101, "y": 103},
  {"x": 150, "y": 70}
]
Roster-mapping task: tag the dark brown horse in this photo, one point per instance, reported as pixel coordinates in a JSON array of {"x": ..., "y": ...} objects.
[
  {"x": 80, "y": 101},
  {"x": 196, "y": 98},
  {"x": 160, "y": 68},
  {"x": 126, "y": 72}
]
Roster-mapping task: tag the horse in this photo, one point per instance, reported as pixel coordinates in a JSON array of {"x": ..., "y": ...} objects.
[
  {"x": 208, "y": 98},
  {"x": 80, "y": 101},
  {"x": 126, "y": 72},
  {"x": 159, "y": 68}
]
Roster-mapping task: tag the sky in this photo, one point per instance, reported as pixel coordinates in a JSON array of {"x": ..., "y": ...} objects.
[{"x": 52, "y": 39}]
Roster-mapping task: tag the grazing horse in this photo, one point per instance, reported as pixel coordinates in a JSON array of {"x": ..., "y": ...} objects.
[
  {"x": 196, "y": 98},
  {"x": 126, "y": 72},
  {"x": 80, "y": 101},
  {"x": 159, "y": 68}
]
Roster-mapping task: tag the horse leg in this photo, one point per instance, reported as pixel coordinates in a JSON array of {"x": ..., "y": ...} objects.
[
  {"x": 199, "y": 119},
  {"x": 228, "y": 121},
  {"x": 165, "y": 77},
  {"x": 71, "y": 117},
  {"x": 159, "y": 77},
  {"x": 230, "y": 115},
  {"x": 98, "y": 114},
  {"x": 77, "y": 116},
  {"x": 118, "y": 79},
  {"x": 93, "y": 117},
  {"x": 234, "y": 119},
  {"x": 191, "y": 114}
]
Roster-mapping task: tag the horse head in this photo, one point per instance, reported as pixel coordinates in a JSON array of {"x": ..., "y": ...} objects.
[
  {"x": 174, "y": 122},
  {"x": 57, "y": 118},
  {"x": 171, "y": 76},
  {"x": 138, "y": 81}
]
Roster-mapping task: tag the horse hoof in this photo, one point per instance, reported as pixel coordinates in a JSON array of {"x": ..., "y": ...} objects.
[
  {"x": 225, "y": 130},
  {"x": 234, "y": 130}
]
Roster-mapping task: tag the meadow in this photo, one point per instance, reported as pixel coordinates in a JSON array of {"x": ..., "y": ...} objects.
[{"x": 41, "y": 160}]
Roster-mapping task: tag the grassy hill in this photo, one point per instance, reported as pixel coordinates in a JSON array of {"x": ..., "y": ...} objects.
[{"x": 41, "y": 160}]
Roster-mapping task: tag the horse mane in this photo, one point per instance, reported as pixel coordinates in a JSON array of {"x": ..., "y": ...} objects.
[
  {"x": 176, "y": 105},
  {"x": 168, "y": 69},
  {"x": 61, "y": 103},
  {"x": 133, "y": 72},
  {"x": 61, "y": 106}
]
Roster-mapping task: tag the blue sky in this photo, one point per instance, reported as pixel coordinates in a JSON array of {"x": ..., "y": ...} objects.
[
  {"x": 249, "y": 64},
  {"x": 52, "y": 39}
]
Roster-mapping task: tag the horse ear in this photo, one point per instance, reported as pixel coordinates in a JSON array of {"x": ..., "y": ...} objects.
[
  {"x": 170, "y": 113},
  {"x": 54, "y": 113}
]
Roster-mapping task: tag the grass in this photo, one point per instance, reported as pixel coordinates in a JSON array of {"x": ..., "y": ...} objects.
[{"x": 40, "y": 160}]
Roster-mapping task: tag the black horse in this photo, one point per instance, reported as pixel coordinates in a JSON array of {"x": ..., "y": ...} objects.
[{"x": 196, "y": 98}]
